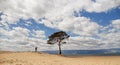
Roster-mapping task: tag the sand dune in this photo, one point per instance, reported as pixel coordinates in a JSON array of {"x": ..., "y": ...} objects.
[{"x": 32, "y": 58}]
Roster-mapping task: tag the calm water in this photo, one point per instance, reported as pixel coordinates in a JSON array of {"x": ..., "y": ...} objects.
[{"x": 87, "y": 52}]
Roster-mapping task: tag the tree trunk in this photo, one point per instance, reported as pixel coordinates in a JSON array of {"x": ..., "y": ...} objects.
[{"x": 59, "y": 47}]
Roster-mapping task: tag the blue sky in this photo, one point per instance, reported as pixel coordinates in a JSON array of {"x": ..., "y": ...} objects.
[
  {"x": 92, "y": 24},
  {"x": 103, "y": 18}
]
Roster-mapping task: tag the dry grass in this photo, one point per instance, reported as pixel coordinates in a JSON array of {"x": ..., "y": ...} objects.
[{"x": 31, "y": 58}]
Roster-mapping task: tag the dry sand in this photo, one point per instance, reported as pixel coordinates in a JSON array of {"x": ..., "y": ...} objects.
[{"x": 32, "y": 58}]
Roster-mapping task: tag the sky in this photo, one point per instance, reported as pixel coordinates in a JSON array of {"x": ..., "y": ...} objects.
[{"x": 91, "y": 24}]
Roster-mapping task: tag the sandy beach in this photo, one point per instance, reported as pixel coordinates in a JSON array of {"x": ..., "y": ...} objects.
[{"x": 32, "y": 58}]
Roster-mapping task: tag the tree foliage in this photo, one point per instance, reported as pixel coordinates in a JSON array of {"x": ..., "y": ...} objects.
[{"x": 58, "y": 37}]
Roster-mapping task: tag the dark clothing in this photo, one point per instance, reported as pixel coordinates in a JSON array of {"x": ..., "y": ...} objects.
[{"x": 35, "y": 49}]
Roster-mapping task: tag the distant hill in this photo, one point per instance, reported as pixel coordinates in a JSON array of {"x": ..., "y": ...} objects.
[{"x": 115, "y": 51}]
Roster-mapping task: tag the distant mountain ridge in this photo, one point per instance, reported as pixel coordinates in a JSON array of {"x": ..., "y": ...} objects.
[{"x": 114, "y": 51}]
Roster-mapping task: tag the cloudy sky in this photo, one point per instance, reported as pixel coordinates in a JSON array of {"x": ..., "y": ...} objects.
[{"x": 92, "y": 24}]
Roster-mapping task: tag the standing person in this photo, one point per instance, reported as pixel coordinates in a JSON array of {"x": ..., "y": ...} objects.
[{"x": 35, "y": 49}]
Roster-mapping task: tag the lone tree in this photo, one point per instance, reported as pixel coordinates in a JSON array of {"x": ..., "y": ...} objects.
[{"x": 58, "y": 37}]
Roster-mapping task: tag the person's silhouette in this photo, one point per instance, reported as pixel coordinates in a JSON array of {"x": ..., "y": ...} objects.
[{"x": 35, "y": 49}]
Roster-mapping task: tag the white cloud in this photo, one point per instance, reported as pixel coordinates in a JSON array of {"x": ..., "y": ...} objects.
[
  {"x": 58, "y": 15},
  {"x": 111, "y": 35},
  {"x": 19, "y": 39},
  {"x": 102, "y": 5},
  {"x": 16, "y": 33},
  {"x": 39, "y": 34},
  {"x": 79, "y": 25},
  {"x": 116, "y": 23},
  {"x": 52, "y": 9},
  {"x": 81, "y": 42}
]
